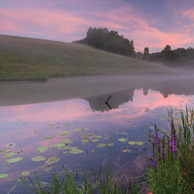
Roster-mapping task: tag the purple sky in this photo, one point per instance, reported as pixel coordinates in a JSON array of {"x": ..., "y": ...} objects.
[{"x": 149, "y": 23}]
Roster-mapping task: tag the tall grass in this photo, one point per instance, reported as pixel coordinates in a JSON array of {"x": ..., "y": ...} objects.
[{"x": 101, "y": 183}]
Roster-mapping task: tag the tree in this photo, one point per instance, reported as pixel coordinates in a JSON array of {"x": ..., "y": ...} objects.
[
  {"x": 146, "y": 54},
  {"x": 146, "y": 51},
  {"x": 111, "y": 41}
]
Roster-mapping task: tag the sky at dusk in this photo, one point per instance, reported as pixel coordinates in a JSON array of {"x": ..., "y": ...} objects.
[{"x": 149, "y": 23}]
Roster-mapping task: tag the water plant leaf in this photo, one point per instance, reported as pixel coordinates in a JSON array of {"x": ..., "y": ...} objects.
[
  {"x": 101, "y": 145},
  {"x": 3, "y": 176},
  {"x": 64, "y": 133},
  {"x": 25, "y": 173},
  {"x": 126, "y": 150},
  {"x": 67, "y": 148},
  {"x": 52, "y": 160},
  {"x": 124, "y": 133},
  {"x": 38, "y": 158},
  {"x": 98, "y": 136},
  {"x": 42, "y": 149},
  {"x": 66, "y": 141},
  {"x": 14, "y": 160},
  {"x": 95, "y": 140},
  {"x": 77, "y": 129},
  {"x": 76, "y": 151},
  {"x": 10, "y": 154},
  {"x": 85, "y": 140},
  {"x": 139, "y": 142},
  {"x": 122, "y": 139},
  {"x": 110, "y": 144},
  {"x": 59, "y": 145},
  {"x": 131, "y": 142},
  {"x": 70, "y": 125},
  {"x": 10, "y": 145},
  {"x": 85, "y": 129},
  {"x": 46, "y": 138}
]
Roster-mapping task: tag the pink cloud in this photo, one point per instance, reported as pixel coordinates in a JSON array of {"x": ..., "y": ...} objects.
[
  {"x": 68, "y": 25},
  {"x": 189, "y": 13}
]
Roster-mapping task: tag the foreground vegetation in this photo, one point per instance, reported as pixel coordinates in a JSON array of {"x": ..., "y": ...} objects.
[
  {"x": 35, "y": 59},
  {"x": 170, "y": 169}
]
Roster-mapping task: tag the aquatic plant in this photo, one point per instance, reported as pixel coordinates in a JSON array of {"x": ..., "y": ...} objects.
[{"x": 102, "y": 183}]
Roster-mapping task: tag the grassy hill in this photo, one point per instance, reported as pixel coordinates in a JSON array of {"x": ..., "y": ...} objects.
[{"x": 36, "y": 59}]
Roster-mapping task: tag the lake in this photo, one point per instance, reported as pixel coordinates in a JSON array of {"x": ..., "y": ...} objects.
[{"x": 84, "y": 133}]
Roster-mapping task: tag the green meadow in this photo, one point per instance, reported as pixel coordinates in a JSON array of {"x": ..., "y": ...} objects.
[{"x": 36, "y": 59}]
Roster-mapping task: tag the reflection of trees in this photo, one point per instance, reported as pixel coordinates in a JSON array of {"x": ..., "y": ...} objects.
[
  {"x": 178, "y": 86},
  {"x": 117, "y": 98}
]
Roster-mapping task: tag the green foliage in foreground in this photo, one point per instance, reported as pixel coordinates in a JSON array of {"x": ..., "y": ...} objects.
[
  {"x": 102, "y": 184},
  {"x": 173, "y": 158}
]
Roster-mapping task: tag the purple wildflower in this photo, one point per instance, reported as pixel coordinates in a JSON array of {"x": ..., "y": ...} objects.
[
  {"x": 154, "y": 163},
  {"x": 163, "y": 149},
  {"x": 173, "y": 143}
]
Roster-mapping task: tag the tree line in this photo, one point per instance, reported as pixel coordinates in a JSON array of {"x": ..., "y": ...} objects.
[
  {"x": 111, "y": 41},
  {"x": 176, "y": 57}
]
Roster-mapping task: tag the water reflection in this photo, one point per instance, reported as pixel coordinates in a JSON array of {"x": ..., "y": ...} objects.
[
  {"x": 88, "y": 126},
  {"x": 178, "y": 86}
]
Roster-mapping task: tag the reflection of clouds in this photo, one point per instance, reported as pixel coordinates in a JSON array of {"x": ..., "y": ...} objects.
[{"x": 56, "y": 111}]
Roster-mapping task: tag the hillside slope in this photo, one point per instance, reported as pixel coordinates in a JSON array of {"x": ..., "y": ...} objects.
[{"x": 31, "y": 59}]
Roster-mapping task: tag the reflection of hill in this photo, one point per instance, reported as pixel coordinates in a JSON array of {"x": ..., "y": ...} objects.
[
  {"x": 118, "y": 98},
  {"x": 177, "y": 86}
]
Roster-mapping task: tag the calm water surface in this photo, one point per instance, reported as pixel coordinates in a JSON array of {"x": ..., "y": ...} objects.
[{"x": 86, "y": 133}]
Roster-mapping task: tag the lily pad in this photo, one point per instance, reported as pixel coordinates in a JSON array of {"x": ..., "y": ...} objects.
[
  {"x": 85, "y": 129},
  {"x": 3, "y": 176},
  {"x": 59, "y": 145},
  {"x": 126, "y": 150},
  {"x": 14, "y": 160},
  {"x": 52, "y": 160},
  {"x": 101, "y": 145},
  {"x": 95, "y": 140},
  {"x": 25, "y": 173},
  {"x": 131, "y": 142},
  {"x": 42, "y": 149},
  {"x": 67, "y": 148},
  {"x": 10, "y": 145},
  {"x": 85, "y": 140},
  {"x": 124, "y": 133},
  {"x": 66, "y": 141},
  {"x": 70, "y": 125},
  {"x": 38, "y": 158},
  {"x": 64, "y": 133},
  {"x": 139, "y": 142},
  {"x": 110, "y": 144},
  {"x": 76, "y": 151},
  {"x": 98, "y": 136},
  {"x": 122, "y": 139},
  {"x": 46, "y": 138},
  {"x": 77, "y": 129},
  {"x": 10, "y": 154}
]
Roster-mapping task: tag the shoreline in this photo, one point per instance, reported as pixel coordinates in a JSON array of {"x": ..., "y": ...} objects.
[{"x": 29, "y": 92}]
